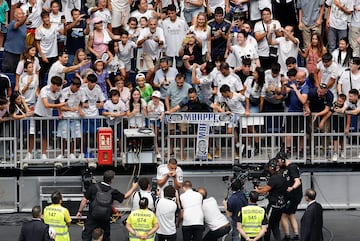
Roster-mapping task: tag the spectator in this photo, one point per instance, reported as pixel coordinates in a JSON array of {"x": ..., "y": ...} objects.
[
  {"x": 354, "y": 29},
  {"x": 102, "y": 14},
  {"x": 311, "y": 13},
  {"x": 120, "y": 13},
  {"x": 58, "y": 19},
  {"x": 27, "y": 56},
  {"x": 350, "y": 77},
  {"x": 33, "y": 10},
  {"x": 176, "y": 92},
  {"x": 343, "y": 54},
  {"x": 125, "y": 50},
  {"x": 225, "y": 76},
  {"x": 245, "y": 70},
  {"x": 80, "y": 56},
  {"x": 202, "y": 80},
  {"x": 313, "y": 52},
  {"x": 58, "y": 217},
  {"x": 137, "y": 110},
  {"x": 337, "y": 17},
  {"x": 175, "y": 28},
  {"x": 191, "y": 10},
  {"x": 59, "y": 67},
  {"x": 164, "y": 76},
  {"x": 35, "y": 229},
  {"x": 5, "y": 86},
  {"x": 123, "y": 90},
  {"x": 76, "y": 30},
  {"x": 288, "y": 45},
  {"x": 284, "y": 11},
  {"x": 256, "y": 7},
  {"x": 46, "y": 44},
  {"x": 329, "y": 71},
  {"x": 102, "y": 77},
  {"x": 115, "y": 109},
  {"x": 152, "y": 40},
  {"x": 145, "y": 88},
  {"x": 18, "y": 108},
  {"x": 218, "y": 224},
  {"x": 156, "y": 112},
  {"x": 73, "y": 97},
  {"x": 90, "y": 196},
  {"x": 142, "y": 11},
  {"x": 144, "y": 192},
  {"x": 202, "y": 31},
  {"x": 44, "y": 108},
  {"x": 262, "y": 30},
  {"x": 191, "y": 213},
  {"x": 94, "y": 101},
  {"x": 254, "y": 103},
  {"x": 142, "y": 224},
  {"x": 252, "y": 221},
  {"x": 15, "y": 42},
  {"x": 4, "y": 22},
  {"x": 312, "y": 219},
  {"x": 219, "y": 33},
  {"x": 234, "y": 204},
  {"x": 29, "y": 84},
  {"x": 166, "y": 210},
  {"x": 351, "y": 107},
  {"x": 273, "y": 100}
]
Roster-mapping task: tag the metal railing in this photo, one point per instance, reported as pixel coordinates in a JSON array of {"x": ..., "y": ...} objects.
[{"x": 254, "y": 140}]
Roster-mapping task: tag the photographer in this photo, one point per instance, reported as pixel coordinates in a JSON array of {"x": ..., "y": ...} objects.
[
  {"x": 233, "y": 205},
  {"x": 294, "y": 195},
  {"x": 277, "y": 188}
]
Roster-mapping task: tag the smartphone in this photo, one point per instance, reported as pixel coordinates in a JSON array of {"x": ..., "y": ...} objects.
[
  {"x": 62, "y": 17},
  {"x": 30, "y": 9}
]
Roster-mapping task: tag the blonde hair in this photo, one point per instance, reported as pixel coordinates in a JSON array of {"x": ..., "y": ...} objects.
[{"x": 204, "y": 28}]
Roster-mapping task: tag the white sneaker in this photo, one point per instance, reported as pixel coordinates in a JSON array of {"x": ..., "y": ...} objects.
[
  {"x": 60, "y": 157},
  {"x": 72, "y": 156},
  {"x": 44, "y": 156},
  {"x": 342, "y": 154},
  {"x": 81, "y": 156},
  {"x": 29, "y": 156},
  {"x": 335, "y": 157},
  {"x": 158, "y": 156}
]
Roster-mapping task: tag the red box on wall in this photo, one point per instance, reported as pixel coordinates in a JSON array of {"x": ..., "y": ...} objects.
[{"x": 105, "y": 146}]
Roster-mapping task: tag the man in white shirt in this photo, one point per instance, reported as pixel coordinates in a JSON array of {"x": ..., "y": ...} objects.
[
  {"x": 217, "y": 222},
  {"x": 152, "y": 41},
  {"x": 354, "y": 32},
  {"x": 169, "y": 175},
  {"x": 175, "y": 30},
  {"x": 191, "y": 213},
  {"x": 145, "y": 191},
  {"x": 69, "y": 127},
  {"x": 350, "y": 77}
]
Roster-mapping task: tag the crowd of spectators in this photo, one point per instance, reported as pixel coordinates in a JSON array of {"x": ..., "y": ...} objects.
[{"x": 79, "y": 56}]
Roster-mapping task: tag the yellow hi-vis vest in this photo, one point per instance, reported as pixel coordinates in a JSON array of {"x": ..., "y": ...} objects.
[
  {"x": 252, "y": 217},
  {"x": 55, "y": 216},
  {"x": 142, "y": 221}
]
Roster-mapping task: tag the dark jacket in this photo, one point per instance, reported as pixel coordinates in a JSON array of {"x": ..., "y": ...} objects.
[
  {"x": 312, "y": 223},
  {"x": 34, "y": 230}
]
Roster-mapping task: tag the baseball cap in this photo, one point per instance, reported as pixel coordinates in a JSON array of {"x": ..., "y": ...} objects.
[
  {"x": 98, "y": 60},
  {"x": 140, "y": 75},
  {"x": 97, "y": 20},
  {"x": 156, "y": 94}
]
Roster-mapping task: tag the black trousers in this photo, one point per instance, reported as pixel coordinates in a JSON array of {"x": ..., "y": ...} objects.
[
  {"x": 163, "y": 237},
  {"x": 193, "y": 232},
  {"x": 91, "y": 224},
  {"x": 218, "y": 233},
  {"x": 274, "y": 221}
]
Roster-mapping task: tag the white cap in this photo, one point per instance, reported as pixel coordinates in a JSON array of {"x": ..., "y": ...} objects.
[{"x": 156, "y": 93}]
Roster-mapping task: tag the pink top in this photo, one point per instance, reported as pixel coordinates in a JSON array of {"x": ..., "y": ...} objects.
[
  {"x": 312, "y": 61},
  {"x": 98, "y": 44}
]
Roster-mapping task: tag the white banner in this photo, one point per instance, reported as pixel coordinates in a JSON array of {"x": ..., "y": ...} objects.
[
  {"x": 198, "y": 118},
  {"x": 202, "y": 142}
]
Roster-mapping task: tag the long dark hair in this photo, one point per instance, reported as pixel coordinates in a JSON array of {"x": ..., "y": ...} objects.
[
  {"x": 261, "y": 78},
  {"x": 12, "y": 106},
  {"x": 131, "y": 102},
  {"x": 349, "y": 53}
]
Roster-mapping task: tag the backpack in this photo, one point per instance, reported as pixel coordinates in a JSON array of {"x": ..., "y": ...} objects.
[{"x": 101, "y": 207}]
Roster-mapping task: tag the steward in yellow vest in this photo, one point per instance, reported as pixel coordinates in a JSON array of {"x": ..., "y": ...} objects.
[
  {"x": 252, "y": 221},
  {"x": 58, "y": 217},
  {"x": 142, "y": 223}
]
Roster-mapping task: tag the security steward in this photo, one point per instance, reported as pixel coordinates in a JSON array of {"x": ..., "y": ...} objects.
[
  {"x": 58, "y": 217},
  {"x": 276, "y": 186},
  {"x": 252, "y": 222}
]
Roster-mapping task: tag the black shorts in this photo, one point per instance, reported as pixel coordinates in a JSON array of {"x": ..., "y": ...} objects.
[
  {"x": 295, "y": 124},
  {"x": 292, "y": 205}
]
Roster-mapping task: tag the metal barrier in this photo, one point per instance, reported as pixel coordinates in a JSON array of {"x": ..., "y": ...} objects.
[{"x": 191, "y": 138}]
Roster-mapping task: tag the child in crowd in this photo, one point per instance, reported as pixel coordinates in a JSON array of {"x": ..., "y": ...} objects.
[
  {"x": 156, "y": 110},
  {"x": 102, "y": 77},
  {"x": 115, "y": 109},
  {"x": 145, "y": 88},
  {"x": 27, "y": 56},
  {"x": 137, "y": 110},
  {"x": 126, "y": 48},
  {"x": 29, "y": 84},
  {"x": 124, "y": 91}
]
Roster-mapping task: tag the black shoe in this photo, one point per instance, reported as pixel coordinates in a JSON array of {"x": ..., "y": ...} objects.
[
  {"x": 286, "y": 238},
  {"x": 295, "y": 238}
]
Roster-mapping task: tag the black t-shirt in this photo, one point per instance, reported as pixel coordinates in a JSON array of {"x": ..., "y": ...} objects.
[
  {"x": 75, "y": 38},
  {"x": 92, "y": 190},
  {"x": 197, "y": 106},
  {"x": 294, "y": 172},
  {"x": 279, "y": 182},
  {"x": 317, "y": 103},
  {"x": 243, "y": 76},
  {"x": 4, "y": 85}
]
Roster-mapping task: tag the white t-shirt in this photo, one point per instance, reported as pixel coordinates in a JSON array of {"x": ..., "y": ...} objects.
[
  {"x": 136, "y": 198},
  {"x": 155, "y": 110},
  {"x": 203, "y": 36},
  {"x": 34, "y": 16},
  {"x": 234, "y": 103},
  {"x": 339, "y": 19},
  {"x": 344, "y": 80},
  {"x": 136, "y": 14},
  {"x": 57, "y": 69},
  {"x": 205, "y": 89},
  {"x": 51, "y": 97},
  {"x": 162, "y": 172},
  {"x": 191, "y": 203},
  {"x": 73, "y": 99},
  {"x": 248, "y": 52},
  {"x": 232, "y": 80},
  {"x": 174, "y": 33},
  {"x": 253, "y": 90},
  {"x": 261, "y": 27},
  {"x": 125, "y": 51},
  {"x": 287, "y": 49},
  {"x": 165, "y": 213},
  {"x": 48, "y": 40},
  {"x": 30, "y": 93},
  {"x": 20, "y": 66},
  {"x": 151, "y": 47},
  {"x": 119, "y": 107},
  {"x": 212, "y": 215},
  {"x": 332, "y": 71},
  {"x": 92, "y": 97}
]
